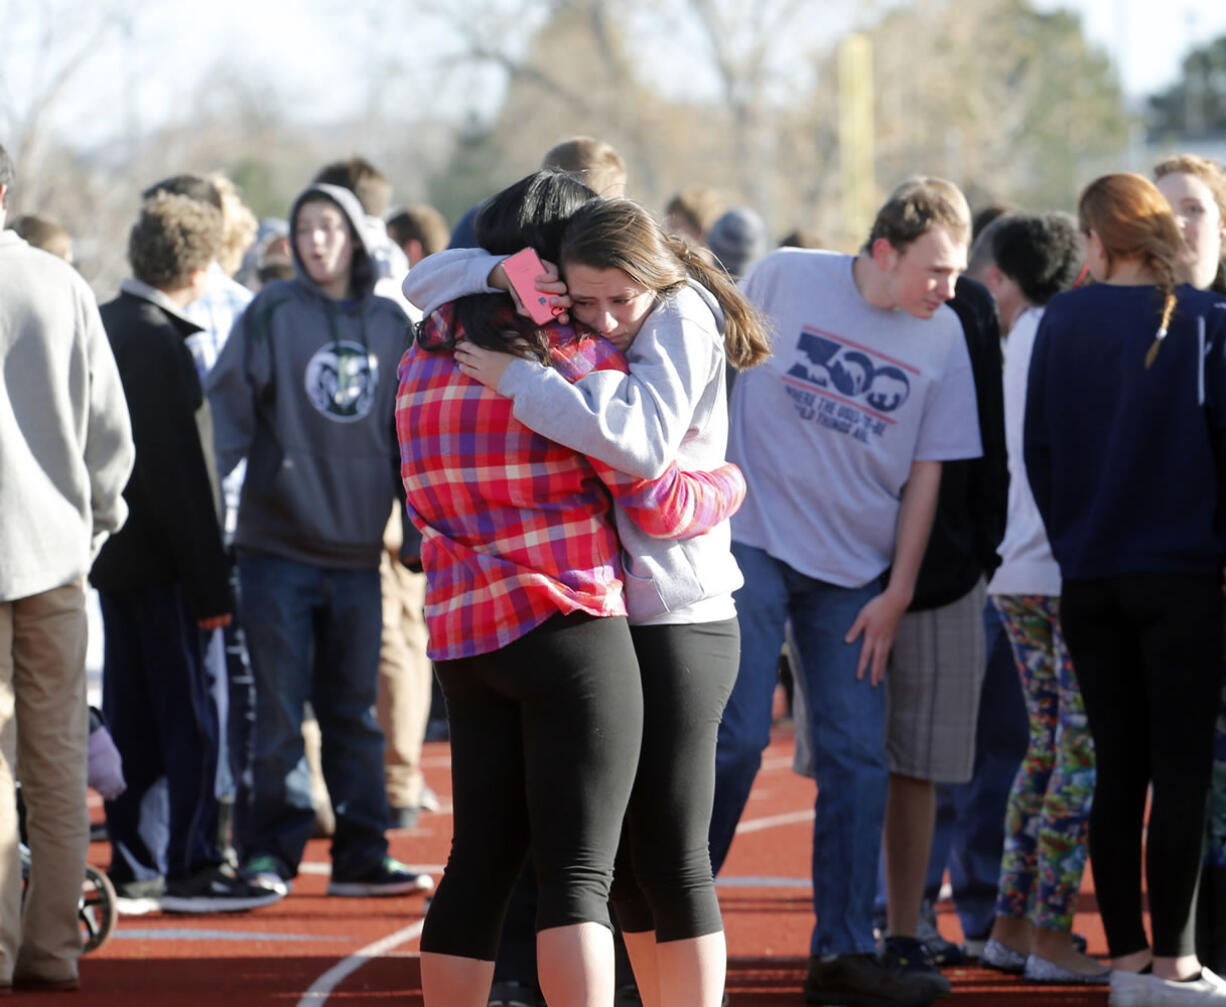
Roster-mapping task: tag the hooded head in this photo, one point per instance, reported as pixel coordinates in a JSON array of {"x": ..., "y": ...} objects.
[
  {"x": 329, "y": 241},
  {"x": 738, "y": 239}
]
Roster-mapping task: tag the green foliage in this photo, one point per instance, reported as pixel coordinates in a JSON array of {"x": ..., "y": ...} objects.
[
  {"x": 470, "y": 175},
  {"x": 1196, "y": 104},
  {"x": 998, "y": 96},
  {"x": 262, "y": 190}
]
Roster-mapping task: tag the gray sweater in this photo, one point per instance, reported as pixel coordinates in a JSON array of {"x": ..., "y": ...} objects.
[
  {"x": 670, "y": 407},
  {"x": 65, "y": 441}
]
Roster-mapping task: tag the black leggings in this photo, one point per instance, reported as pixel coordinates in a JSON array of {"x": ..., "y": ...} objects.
[
  {"x": 663, "y": 878},
  {"x": 544, "y": 743},
  {"x": 1147, "y": 651}
]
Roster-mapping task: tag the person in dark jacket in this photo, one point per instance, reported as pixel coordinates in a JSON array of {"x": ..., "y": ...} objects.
[
  {"x": 1124, "y": 441},
  {"x": 163, "y": 583}
]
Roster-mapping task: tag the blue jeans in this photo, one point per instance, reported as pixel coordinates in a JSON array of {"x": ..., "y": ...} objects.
[
  {"x": 313, "y": 635},
  {"x": 846, "y": 723}
]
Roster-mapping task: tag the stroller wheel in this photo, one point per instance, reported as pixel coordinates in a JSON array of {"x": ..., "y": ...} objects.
[{"x": 99, "y": 910}]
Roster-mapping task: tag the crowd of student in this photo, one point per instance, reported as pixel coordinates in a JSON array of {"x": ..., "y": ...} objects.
[{"x": 998, "y": 578}]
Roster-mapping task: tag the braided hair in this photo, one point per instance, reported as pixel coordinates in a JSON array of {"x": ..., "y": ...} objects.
[{"x": 1134, "y": 221}]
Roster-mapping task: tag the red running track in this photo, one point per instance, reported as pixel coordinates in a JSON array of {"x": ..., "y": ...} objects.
[{"x": 310, "y": 949}]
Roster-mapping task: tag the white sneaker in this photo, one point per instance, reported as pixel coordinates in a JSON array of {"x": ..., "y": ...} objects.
[
  {"x": 1208, "y": 989},
  {"x": 428, "y": 801},
  {"x": 1131, "y": 989}
]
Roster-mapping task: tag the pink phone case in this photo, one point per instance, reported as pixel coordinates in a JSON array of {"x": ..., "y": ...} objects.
[{"x": 522, "y": 269}]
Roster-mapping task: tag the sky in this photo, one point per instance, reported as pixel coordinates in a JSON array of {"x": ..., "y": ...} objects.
[
  {"x": 1148, "y": 39},
  {"x": 300, "y": 50}
]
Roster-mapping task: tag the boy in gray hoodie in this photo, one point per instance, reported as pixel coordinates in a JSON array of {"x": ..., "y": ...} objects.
[{"x": 305, "y": 391}]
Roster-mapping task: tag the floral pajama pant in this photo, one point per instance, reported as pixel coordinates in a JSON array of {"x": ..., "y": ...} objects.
[{"x": 1048, "y": 814}]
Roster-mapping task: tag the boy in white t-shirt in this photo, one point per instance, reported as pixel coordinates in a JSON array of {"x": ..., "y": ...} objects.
[{"x": 841, "y": 436}]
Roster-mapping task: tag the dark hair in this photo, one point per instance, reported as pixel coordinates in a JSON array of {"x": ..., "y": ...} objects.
[
  {"x": 8, "y": 170},
  {"x": 173, "y": 236},
  {"x": 980, "y": 257},
  {"x": 1041, "y": 253},
  {"x": 984, "y": 216},
  {"x": 195, "y": 187},
  {"x": 1133, "y": 220},
  {"x": 918, "y": 205},
  {"x": 801, "y": 237},
  {"x": 361, "y": 178},
  {"x": 531, "y": 213},
  {"x": 620, "y": 234}
]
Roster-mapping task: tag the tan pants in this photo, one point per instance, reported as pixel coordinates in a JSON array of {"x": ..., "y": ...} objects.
[
  {"x": 403, "y": 706},
  {"x": 44, "y": 728}
]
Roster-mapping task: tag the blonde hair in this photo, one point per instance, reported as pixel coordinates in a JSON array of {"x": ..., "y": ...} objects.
[
  {"x": 1134, "y": 221},
  {"x": 239, "y": 226},
  {"x": 596, "y": 164},
  {"x": 620, "y": 234}
]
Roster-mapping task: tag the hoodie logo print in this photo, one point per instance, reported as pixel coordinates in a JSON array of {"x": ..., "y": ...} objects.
[{"x": 340, "y": 381}]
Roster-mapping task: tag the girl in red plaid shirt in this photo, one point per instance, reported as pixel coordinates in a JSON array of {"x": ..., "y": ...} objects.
[
  {"x": 636, "y": 287},
  {"x": 526, "y": 613}
]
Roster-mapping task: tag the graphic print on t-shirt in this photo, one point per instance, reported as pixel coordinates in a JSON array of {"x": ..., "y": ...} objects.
[
  {"x": 340, "y": 381},
  {"x": 845, "y": 386}
]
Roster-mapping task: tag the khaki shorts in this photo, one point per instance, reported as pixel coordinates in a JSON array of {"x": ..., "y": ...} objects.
[{"x": 933, "y": 685}]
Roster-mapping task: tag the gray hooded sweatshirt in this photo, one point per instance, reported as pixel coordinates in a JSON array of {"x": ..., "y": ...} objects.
[{"x": 305, "y": 390}]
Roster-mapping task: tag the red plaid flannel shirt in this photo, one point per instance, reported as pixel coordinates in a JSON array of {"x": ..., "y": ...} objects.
[{"x": 515, "y": 527}]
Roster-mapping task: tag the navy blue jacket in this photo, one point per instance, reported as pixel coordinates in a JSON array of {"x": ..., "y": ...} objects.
[{"x": 1126, "y": 463}]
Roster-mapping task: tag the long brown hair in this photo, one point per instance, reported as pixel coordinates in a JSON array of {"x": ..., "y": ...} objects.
[
  {"x": 620, "y": 234},
  {"x": 1134, "y": 221}
]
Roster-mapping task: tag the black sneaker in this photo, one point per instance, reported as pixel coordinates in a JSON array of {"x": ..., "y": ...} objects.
[
  {"x": 627, "y": 996},
  {"x": 942, "y": 951},
  {"x": 136, "y": 898},
  {"x": 264, "y": 873},
  {"x": 215, "y": 890},
  {"x": 404, "y": 817},
  {"x": 910, "y": 961},
  {"x": 859, "y": 981},
  {"x": 515, "y": 994},
  {"x": 389, "y": 877}
]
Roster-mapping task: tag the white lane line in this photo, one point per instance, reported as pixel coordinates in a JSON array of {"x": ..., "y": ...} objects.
[
  {"x": 762, "y": 882},
  {"x": 791, "y": 818},
  {"x": 198, "y": 934},
  {"x": 323, "y": 868},
  {"x": 326, "y": 983}
]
